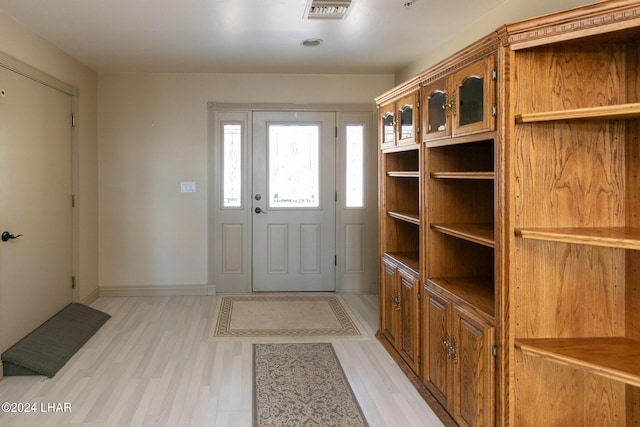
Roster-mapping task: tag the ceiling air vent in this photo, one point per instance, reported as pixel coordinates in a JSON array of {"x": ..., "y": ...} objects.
[{"x": 327, "y": 9}]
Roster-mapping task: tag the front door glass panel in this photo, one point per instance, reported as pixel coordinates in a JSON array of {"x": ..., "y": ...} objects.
[{"x": 294, "y": 165}]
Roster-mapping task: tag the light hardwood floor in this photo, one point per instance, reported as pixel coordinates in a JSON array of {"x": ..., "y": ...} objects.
[{"x": 152, "y": 365}]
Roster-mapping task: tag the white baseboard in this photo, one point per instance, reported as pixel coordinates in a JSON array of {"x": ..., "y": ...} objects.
[
  {"x": 153, "y": 291},
  {"x": 89, "y": 299},
  {"x": 211, "y": 290}
]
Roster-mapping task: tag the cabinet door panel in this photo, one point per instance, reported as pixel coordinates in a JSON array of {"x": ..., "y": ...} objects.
[
  {"x": 408, "y": 119},
  {"x": 473, "y": 371},
  {"x": 389, "y": 311},
  {"x": 436, "y": 117},
  {"x": 474, "y": 98},
  {"x": 409, "y": 321},
  {"x": 387, "y": 125},
  {"x": 436, "y": 368}
]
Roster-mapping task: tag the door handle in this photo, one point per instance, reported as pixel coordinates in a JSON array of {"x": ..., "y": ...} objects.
[
  {"x": 6, "y": 236},
  {"x": 259, "y": 211}
]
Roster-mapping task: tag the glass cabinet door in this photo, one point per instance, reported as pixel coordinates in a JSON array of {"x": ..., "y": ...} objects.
[
  {"x": 407, "y": 110},
  {"x": 387, "y": 125},
  {"x": 436, "y": 110},
  {"x": 474, "y": 104}
]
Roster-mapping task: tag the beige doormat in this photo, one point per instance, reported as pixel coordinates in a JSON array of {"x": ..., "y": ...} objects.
[
  {"x": 278, "y": 317},
  {"x": 302, "y": 385}
]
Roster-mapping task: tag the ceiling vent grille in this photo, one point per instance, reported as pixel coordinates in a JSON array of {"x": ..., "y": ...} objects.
[{"x": 327, "y": 9}]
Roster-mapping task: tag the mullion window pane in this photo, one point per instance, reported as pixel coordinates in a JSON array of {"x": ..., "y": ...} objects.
[
  {"x": 355, "y": 167},
  {"x": 232, "y": 165}
]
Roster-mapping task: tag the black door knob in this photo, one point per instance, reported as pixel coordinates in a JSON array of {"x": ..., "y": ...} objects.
[{"x": 6, "y": 236}]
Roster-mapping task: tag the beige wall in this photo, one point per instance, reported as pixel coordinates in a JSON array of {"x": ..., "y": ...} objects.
[
  {"x": 153, "y": 134},
  {"x": 508, "y": 12},
  {"x": 22, "y": 44}
]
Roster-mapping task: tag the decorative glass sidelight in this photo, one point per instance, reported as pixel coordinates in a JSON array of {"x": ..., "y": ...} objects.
[
  {"x": 355, "y": 167},
  {"x": 232, "y": 165}
]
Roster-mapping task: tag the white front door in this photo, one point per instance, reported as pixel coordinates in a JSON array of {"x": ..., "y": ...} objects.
[
  {"x": 35, "y": 201},
  {"x": 293, "y": 201}
]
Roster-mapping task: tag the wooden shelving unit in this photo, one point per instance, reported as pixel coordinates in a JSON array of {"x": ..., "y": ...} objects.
[
  {"x": 607, "y": 112},
  {"x": 463, "y": 175},
  {"x": 518, "y": 223},
  {"x": 614, "y": 358},
  {"x": 404, "y": 174},
  {"x": 474, "y": 292},
  {"x": 478, "y": 233},
  {"x": 459, "y": 241},
  {"x": 612, "y": 237},
  {"x": 412, "y": 217},
  {"x": 576, "y": 228},
  {"x": 411, "y": 260}
]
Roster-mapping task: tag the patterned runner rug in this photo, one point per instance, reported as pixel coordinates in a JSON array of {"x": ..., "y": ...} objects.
[
  {"x": 302, "y": 385},
  {"x": 277, "y": 317}
]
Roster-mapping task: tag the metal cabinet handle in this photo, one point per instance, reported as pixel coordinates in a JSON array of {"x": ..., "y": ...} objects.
[{"x": 451, "y": 347}]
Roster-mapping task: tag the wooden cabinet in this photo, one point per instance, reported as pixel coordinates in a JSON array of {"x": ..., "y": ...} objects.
[
  {"x": 520, "y": 214},
  {"x": 576, "y": 170},
  {"x": 460, "y": 366},
  {"x": 399, "y": 120},
  {"x": 400, "y": 227},
  {"x": 462, "y": 103},
  {"x": 400, "y": 320},
  {"x": 437, "y": 221}
]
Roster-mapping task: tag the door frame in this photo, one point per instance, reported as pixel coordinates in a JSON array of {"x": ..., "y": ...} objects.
[
  {"x": 237, "y": 221},
  {"x": 15, "y": 65}
]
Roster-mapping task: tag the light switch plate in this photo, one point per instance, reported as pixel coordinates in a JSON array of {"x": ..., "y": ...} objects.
[{"x": 188, "y": 187}]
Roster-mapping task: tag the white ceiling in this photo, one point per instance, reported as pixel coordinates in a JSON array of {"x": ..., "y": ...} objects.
[{"x": 252, "y": 36}]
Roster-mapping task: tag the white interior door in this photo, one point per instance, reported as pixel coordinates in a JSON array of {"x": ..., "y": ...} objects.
[
  {"x": 35, "y": 201},
  {"x": 293, "y": 201}
]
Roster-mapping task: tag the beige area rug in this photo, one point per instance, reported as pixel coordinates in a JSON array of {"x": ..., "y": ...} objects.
[
  {"x": 283, "y": 317},
  {"x": 302, "y": 385}
]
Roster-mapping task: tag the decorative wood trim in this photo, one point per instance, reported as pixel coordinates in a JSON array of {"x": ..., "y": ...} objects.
[
  {"x": 574, "y": 23},
  {"x": 404, "y": 89},
  {"x": 242, "y": 106},
  {"x": 482, "y": 48}
]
